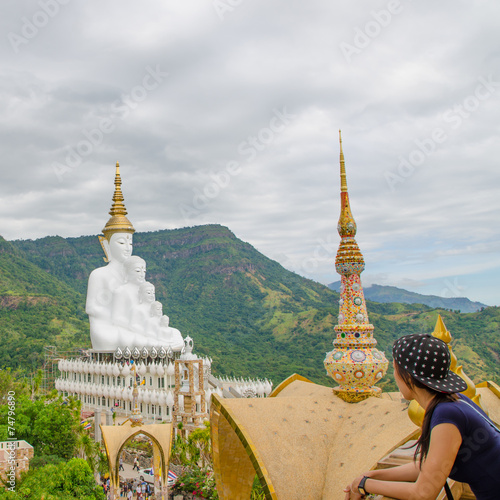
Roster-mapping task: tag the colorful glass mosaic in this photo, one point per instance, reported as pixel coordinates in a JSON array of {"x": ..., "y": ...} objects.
[{"x": 355, "y": 364}]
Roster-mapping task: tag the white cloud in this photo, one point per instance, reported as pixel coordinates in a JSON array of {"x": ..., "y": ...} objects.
[{"x": 225, "y": 80}]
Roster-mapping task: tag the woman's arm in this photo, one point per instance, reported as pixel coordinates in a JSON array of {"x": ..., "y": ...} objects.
[
  {"x": 443, "y": 449},
  {"x": 407, "y": 472}
]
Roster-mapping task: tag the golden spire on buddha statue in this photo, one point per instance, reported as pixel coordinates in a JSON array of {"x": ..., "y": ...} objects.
[{"x": 118, "y": 223}]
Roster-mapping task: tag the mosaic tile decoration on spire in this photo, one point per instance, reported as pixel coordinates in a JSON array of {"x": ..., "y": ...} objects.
[{"x": 355, "y": 364}]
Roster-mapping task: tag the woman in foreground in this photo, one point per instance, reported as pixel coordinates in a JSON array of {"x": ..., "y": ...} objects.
[{"x": 458, "y": 440}]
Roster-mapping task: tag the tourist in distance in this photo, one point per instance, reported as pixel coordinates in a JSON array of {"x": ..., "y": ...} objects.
[{"x": 458, "y": 439}]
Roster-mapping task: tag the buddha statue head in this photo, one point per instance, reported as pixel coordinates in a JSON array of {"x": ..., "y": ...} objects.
[
  {"x": 156, "y": 309},
  {"x": 146, "y": 293},
  {"x": 118, "y": 248},
  {"x": 135, "y": 269}
]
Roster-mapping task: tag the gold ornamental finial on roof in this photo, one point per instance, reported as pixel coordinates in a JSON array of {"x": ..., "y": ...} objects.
[
  {"x": 343, "y": 176},
  {"x": 136, "y": 417},
  {"x": 118, "y": 223},
  {"x": 355, "y": 364},
  {"x": 442, "y": 333},
  {"x": 348, "y": 252}
]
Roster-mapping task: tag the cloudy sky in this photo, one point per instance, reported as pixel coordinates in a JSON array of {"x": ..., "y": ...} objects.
[{"x": 227, "y": 111}]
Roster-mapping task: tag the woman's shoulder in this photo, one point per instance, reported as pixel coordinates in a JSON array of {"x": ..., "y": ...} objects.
[
  {"x": 453, "y": 412},
  {"x": 462, "y": 413}
]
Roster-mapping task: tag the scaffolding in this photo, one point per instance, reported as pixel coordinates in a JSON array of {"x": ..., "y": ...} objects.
[{"x": 52, "y": 356}]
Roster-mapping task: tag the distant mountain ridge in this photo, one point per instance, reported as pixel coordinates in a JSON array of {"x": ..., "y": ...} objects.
[
  {"x": 247, "y": 312},
  {"x": 384, "y": 294}
]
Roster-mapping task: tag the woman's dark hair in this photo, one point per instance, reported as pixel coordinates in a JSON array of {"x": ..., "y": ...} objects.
[{"x": 437, "y": 397}]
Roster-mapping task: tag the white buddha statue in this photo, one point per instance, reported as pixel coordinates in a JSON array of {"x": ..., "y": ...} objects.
[
  {"x": 153, "y": 325},
  {"x": 120, "y": 302},
  {"x": 169, "y": 336},
  {"x": 142, "y": 313},
  {"x": 117, "y": 245},
  {"x": 126, "y": 297}
]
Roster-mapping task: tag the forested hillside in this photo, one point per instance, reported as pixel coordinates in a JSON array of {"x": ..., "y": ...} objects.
[
  {"x": 252, "y": 316},
  {"x": 36, "y": 310}
]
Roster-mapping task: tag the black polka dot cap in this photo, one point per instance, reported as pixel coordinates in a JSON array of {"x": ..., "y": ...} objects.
[{"x": 428, "y": 359}]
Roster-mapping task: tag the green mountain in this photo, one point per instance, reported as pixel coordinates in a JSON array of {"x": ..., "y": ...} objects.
[
  {"x": 252, "y": 316},
  {"x": 36, "y": 310},
  {"x": 380, "y": 293}
]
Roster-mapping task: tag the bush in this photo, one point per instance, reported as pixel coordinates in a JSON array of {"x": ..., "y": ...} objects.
[
  {"x": 198, "y": 481},
  {"x": 43, "y": 460},
  {"x": 71, "y": 480}
]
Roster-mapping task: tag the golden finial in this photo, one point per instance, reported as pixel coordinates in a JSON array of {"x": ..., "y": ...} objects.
[
  {"x": 442, "y": 333},
  {"x": 343, "y": 176},
  {"x": 346, "y": 225},
  {"x": 118, "y": 223},
  {"x": 136, "y": 417}
]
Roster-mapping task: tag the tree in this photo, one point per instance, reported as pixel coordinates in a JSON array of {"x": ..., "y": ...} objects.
[
  {"x": 35, "y": 385},
  {"x": 199, "y": 446},
  {"x": 54, "y": 429},
  {"x": 49, "y": 424},
  {"x": 71, "y": 480}
]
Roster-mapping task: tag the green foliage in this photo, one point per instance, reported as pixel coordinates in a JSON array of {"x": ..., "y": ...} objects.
[
  {"x": 50, "y": 425},
  {"x": 193, "y": 451},
  {"x": 137, "y": 445},
  {"x": 71, "y": 480},
  {"x": 10, "y": 382},
  {"x": 257, "y": 490},
  {"x": 199, "y": 481},
  {"x": 43, "y": 460}
]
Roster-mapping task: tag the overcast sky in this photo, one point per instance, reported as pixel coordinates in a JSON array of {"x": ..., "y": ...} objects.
[{"x": 227, "y": 111}]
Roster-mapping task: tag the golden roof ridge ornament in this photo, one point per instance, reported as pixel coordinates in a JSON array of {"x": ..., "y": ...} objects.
[
  {"x": 136, "y": 417},
  {"x": 442, "y": 333},
  {"x": 343, "y": 176},
  {"x": 118, "y": 223},
  {"x": 415, "y": 411},
  {"x": 354, "y": 363}
]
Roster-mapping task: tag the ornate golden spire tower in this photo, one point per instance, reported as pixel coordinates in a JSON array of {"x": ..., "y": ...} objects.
[
  {"x": 136, "y": 417},
  {"x": 354, "y": 363},
  {"x": 118, "y": 223}
]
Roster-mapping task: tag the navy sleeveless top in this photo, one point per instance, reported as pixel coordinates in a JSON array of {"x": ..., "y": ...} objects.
[{"x": 478, "y": 459}]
